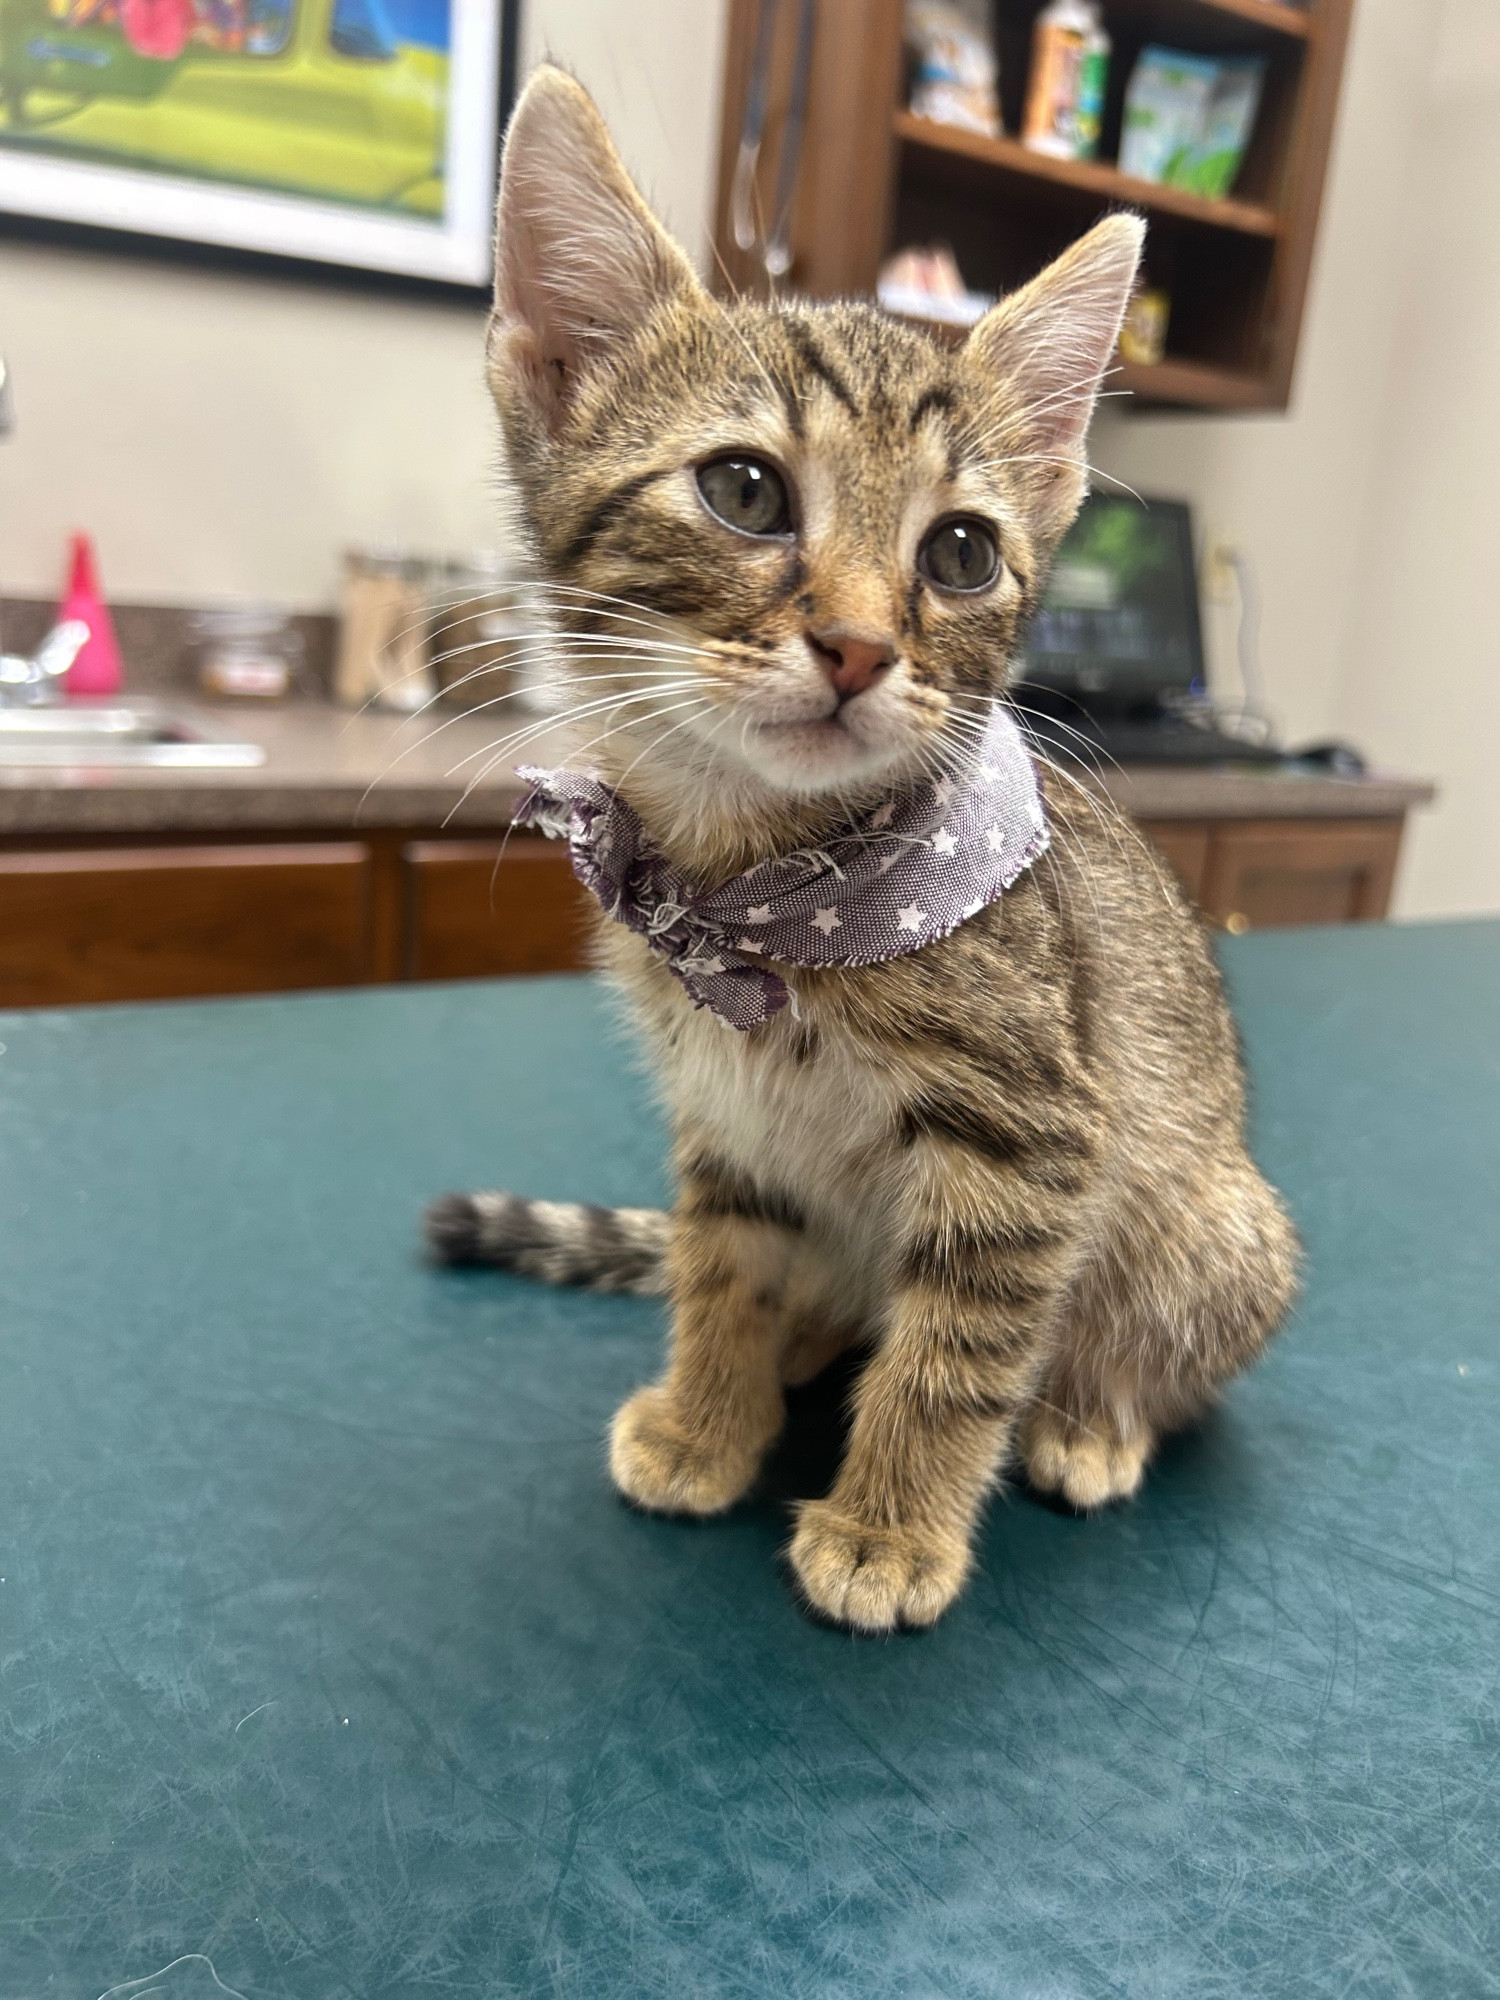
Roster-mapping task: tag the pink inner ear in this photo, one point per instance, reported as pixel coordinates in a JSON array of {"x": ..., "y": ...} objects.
[
  {"x": 579, "y": 258},
  {"x": 1050, "y": 342}
]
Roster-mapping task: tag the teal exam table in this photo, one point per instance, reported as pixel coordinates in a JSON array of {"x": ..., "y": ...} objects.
[{"x": 331, "y": 1668}]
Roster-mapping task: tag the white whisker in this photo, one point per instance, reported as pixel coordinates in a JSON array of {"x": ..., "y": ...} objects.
[
  {"x": 538, "y": 727},
  {"x": 508, "y": 748},
  {"x": 583, "y": 751},
  {"x": 528, "y": 732}
]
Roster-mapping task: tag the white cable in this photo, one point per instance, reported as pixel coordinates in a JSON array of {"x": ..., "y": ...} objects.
[{"x": 1247, "y": 638}]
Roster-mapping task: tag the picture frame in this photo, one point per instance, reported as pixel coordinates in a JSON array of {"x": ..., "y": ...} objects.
[{"x": 351, "y": 136}]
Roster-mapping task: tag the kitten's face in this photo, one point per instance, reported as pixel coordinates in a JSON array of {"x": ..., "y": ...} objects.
[
  {"x": 808, "y": 535},
  {"x": 807, "y": 507}
]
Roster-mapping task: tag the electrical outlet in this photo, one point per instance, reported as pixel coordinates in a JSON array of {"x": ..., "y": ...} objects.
[{"x": 1220, "y": 577}]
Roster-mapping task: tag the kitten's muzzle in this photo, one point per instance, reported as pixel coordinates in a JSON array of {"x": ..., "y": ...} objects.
[{"x": 852, "y": 659}]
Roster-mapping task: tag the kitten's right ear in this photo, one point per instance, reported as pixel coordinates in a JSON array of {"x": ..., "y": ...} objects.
[{"x": 580, "y": 260}]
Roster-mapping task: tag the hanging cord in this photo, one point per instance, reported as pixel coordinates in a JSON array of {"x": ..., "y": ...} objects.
[
  {"x": 1249, "y": 718},
  {"x": 1247, "y": 648}
]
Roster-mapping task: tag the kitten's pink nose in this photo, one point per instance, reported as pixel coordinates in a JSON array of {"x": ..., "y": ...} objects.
[{"x": 852, "y": 660}]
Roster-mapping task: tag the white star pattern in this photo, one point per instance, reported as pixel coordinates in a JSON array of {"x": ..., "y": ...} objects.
[{"x": 983, "y": 819}]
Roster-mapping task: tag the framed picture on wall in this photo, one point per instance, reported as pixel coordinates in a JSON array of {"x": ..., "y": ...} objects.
[{"x": 360, "y": 133}]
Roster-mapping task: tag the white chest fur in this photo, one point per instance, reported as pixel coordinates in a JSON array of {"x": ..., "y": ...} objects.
[{"x": 817, "y": 1129}]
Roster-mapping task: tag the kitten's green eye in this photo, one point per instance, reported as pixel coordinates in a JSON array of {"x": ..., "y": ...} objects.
[
  {"x": 747, "y": 494},
  {"x": 961, "y": 554}
]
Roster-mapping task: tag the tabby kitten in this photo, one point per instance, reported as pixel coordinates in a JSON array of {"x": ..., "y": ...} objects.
[{"x": 1010, "y": 1163}]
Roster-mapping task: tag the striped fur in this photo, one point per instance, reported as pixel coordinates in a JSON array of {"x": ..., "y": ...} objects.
[
  {"x": 1010, "y": 1166},
  {"x": 560, "y": 1242}
]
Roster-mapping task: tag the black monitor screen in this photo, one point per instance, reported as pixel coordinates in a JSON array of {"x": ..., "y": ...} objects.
[{"x": 1118, "y": 626}]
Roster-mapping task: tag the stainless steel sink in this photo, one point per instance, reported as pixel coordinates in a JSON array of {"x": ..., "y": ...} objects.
[{"x": 120, "y": 736}]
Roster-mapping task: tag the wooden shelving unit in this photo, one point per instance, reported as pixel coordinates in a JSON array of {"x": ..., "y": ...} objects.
[
  {"x": 872, "y": 176},
  {"x": 1182, "y": 383},
  {"x": 1281, "y": 17},
  {"x": 1189, "y": 384},
  {"x": 999, "y": 157}
]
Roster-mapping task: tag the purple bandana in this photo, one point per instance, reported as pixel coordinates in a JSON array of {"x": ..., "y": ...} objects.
[{"x": 911, "y": 870}]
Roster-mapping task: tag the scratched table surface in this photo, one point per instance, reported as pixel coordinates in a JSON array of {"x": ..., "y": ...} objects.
[{"x": 330, "y": 1667}]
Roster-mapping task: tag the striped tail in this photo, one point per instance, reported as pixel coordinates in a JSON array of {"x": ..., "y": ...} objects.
[{"x": 561, "y": 1242}]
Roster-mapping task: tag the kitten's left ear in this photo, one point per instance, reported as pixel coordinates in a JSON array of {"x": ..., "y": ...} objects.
[
  {"x": 580, "y": 260},
  {"x": 1040, "y": 356}
]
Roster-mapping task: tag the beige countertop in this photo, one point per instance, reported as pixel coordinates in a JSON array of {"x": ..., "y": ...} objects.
[
  {"x": 338, "y": 772},
  {"x": 324, "y": 767},
  {"x": 1241, "y": 791}
]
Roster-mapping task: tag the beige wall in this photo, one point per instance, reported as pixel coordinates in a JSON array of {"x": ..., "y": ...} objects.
[
  {"x": 1421, "y": 670},
  {"x": 227, "y": 436},
  {"x": 1369, "y": 511},
  {"x": 656, "y": 68}
]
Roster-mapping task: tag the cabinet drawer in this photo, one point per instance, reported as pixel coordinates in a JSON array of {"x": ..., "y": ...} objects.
[
  {"x": 1183, "y": 845},
  {"x": 1267, "y": 872},
  {"x": 475, "y": 909},
  {"x": 152, "y": 923}
]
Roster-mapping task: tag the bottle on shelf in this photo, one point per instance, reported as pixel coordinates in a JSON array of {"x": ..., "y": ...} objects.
[
  {"x": 1093, "y": 82},
  {"x": 1070, "y": 54}
]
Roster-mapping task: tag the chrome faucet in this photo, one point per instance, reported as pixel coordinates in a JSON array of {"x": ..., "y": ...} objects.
[{"x": 37, "y": 681}]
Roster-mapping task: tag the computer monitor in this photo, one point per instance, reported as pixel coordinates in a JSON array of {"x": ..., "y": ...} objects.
[{"x": 1118, "y": 631}]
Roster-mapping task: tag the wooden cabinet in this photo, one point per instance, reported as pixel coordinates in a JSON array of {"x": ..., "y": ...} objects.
[
  {"x": 149, "y": 923},
  {"x": 475, "y": 909},
  {"x": 165, "y": 920},
  {"x": 1253, "y": 874},
  {"x": 168, "y": 920},
  {"x": 1184, "y": 845},
  {"x": 873, "y": 178}
]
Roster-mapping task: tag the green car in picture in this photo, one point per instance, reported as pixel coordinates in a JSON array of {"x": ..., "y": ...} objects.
[{"x": 312, "y": 97}]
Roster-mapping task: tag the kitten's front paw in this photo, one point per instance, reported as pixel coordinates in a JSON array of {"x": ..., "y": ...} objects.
[
  {"x": 875, "y": 1579},
  {"x": 656, "y": 1463},
  {"x": 1091, "y": 1465}
]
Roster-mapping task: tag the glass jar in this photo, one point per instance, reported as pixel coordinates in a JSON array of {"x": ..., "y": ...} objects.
[{"x": 248, "y": 652}]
